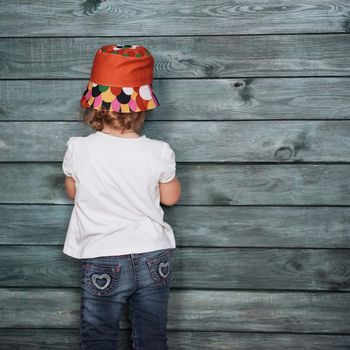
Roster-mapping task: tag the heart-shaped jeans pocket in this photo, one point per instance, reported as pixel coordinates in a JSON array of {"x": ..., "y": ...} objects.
[
  {"x": 164, "y": 269},
  {"x": 96, "y": 277}
]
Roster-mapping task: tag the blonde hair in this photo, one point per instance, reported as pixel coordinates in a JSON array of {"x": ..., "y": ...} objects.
[{"x": 132, "y": 121}]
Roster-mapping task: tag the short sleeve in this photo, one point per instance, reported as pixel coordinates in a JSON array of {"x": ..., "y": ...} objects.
[
  {"x": 168, "y": 164},
  {"x": 68, "y": 161}
]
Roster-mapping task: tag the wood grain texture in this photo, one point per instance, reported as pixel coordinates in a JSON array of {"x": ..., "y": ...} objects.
[
  {"x": 224, "y": 268},
  {"x": 262, "y": 226},
  {"x": 251, "y": 311},
  {"x": 201, "y": 99},
  {"x": 61, "y": 339},
  {"x": 185, "y": 57},
  {"x": 92, "y": 18},
  {"x": 225, "y": 141},
  {"x": 198, "y": 226},
  {"x": 202, "y": 184}
]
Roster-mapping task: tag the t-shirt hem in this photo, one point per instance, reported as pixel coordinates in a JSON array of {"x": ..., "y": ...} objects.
[{"x": 74, "y": 253}]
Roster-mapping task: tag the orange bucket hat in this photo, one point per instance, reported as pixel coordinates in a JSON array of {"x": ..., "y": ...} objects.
[{"x": 121, "y": 80}]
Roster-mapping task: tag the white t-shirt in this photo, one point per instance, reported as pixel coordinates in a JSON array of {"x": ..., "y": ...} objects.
[{"x": 117, "y": 203}]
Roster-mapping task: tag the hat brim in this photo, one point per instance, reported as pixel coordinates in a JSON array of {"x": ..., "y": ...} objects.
[{"x": 119, "y": 99}]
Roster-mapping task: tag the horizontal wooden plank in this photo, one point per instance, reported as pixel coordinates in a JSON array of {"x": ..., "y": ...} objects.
[
  {"x": 180, "y": 17},
  {"x": 251, "y": 311},
  {"x": 208, "y": 57},
  {"x": 200, "y": 226},
  {"x": 47, "y": 339},
  {"x": 224, "y": 268},
  {"x": 220, "y": 99},
  {"x": 202, "y": 184},
  {"x": 224, "y": 141}
]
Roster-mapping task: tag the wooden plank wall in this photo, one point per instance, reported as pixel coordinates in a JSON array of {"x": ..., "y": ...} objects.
[{"x": 255, "y": 101}]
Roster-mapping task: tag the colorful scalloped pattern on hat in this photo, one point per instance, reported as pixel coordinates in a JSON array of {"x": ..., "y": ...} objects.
[{"x": 119, "y": 99}]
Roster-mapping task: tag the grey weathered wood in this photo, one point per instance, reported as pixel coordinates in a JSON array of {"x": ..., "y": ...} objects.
[
  {"x": 225, "y": 141},
  {"x": 47, "y": 339},
  {"x": 224, "y": 268},
  {"x": 185, "y": 57},
  {"x": 198, "y": 226},
  {"x": 202, "y": 184},
  {"x": 251, "y": 311},
  {"x": 241, "y": 228},
  {"x": 220, "y": 99},
  {"x": 179, "y": 17},
  {"x": 63, "y": 339}
]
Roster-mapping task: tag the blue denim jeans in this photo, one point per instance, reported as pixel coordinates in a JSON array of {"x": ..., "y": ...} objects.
[{"x": 108, "y": 283}]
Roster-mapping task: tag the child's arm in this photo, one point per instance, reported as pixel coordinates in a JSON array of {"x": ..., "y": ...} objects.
[
  {"x": 70, "y": 187},
  {"x": 169, "y": 185},
  {"x": 68, "y": 167},
  {"x": 170, "y": 192}
]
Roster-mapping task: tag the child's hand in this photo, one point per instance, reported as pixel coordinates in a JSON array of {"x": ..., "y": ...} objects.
[{"x": 70, "y": 187}]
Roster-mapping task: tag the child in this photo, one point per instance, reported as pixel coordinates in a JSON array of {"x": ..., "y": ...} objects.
[{"x": 118, "y": 179}]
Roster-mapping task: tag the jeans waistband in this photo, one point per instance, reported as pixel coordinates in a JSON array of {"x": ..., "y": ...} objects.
[{"x": 130, "y": 256}]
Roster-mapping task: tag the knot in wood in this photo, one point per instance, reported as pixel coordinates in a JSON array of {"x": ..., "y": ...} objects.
[
  {"x": 284, "y": 153},
  {"x": 239, "y": 84}
]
